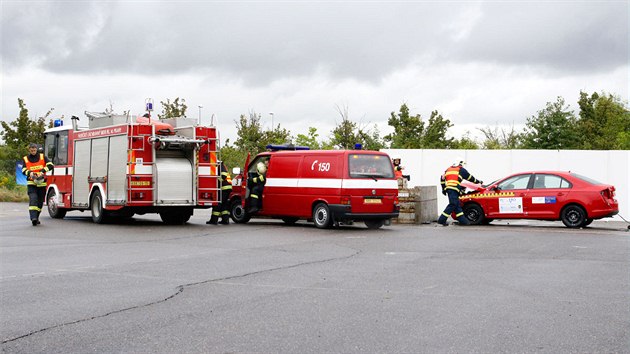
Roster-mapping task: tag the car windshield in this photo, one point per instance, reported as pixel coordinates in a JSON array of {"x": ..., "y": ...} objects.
[
  {"x": 370, "y": 166},
  {"x": 586, "y": 179}
]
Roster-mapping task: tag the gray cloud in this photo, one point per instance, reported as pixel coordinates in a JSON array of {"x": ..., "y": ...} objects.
[{"x": 260, "y": 42}]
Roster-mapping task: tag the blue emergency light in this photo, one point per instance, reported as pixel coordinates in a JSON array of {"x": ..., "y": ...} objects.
[
  {"x": 289, "y": 147},
  {"x": 358, "y": 146},
  {"x": 58, "y": 123}
]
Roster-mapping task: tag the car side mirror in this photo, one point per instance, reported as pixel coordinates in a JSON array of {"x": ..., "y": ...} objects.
[{"x": 236, "y": 171}]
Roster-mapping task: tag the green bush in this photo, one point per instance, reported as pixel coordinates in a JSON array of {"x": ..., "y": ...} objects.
[{"x": 7, "y": 180}]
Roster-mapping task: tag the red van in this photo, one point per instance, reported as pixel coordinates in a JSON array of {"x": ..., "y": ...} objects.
[{"x": 327, "y": 187}]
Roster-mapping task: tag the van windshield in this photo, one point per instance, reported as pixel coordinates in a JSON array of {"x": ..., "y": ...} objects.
[{"x": 370, "y": 166}]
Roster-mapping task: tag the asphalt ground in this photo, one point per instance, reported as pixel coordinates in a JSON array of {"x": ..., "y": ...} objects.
[{"x": 71, "y": 286}]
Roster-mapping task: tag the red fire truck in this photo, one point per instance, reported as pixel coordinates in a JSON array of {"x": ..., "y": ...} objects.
[{"x": 124, "y": 165}]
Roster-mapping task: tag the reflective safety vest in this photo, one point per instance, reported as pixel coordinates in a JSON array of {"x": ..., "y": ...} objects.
[
  {"x": 398, "y": 172},
  {"x": 38, "y": 166},
  {"x": 452, "y": 179}
]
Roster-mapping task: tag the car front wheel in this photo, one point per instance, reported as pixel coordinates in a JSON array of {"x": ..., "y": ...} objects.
[
  {"x": 474, "y": 213},
  {"x": 573, "y": 216}
]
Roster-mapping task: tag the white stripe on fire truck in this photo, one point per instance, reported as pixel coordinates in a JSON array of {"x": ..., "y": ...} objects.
[
  {"x": 142, "y": 169},
  {"x": 331, "y": 183},
  {"x": 204, "y": 170}
]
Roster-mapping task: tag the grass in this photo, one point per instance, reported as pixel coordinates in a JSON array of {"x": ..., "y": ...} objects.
[{"x": 13, "y": 195}]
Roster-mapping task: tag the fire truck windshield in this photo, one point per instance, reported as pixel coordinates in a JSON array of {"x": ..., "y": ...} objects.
[{"x": 370, "y": 166}]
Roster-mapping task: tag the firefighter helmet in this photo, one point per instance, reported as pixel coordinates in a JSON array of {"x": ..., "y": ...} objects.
[
  {"x": 261, "y": 168},
  {"x": 459, "y": 162}
]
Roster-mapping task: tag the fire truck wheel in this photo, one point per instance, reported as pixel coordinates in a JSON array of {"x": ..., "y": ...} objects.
[
  {"x": 373, "y": 224},
  {"x": 474, "y": 213},
  {"x": 238, "y": 213},
  {"x": 99, "y": 215},
  {"x": 322, "y": 216},
  {"x": 53, "y": 210},
  {"x": 573, "y": 216},
  {"x": 290, "y": 220}
]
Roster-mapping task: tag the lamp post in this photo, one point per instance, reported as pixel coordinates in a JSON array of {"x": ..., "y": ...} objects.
[
  {"x": 271, "y": 114},
  {"x": 199, "y": 119}
]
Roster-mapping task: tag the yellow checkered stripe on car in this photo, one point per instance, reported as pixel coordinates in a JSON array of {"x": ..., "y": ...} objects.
[{"x": 488, "y": 195}]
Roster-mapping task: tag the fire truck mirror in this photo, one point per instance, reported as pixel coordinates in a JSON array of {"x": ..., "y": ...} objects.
[{"x": 236, "y": 171}]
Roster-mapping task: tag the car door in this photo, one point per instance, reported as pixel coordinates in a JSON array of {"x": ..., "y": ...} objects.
[
  {"x": 507, "y": 199},
  {"x": 547, "y": 195}
]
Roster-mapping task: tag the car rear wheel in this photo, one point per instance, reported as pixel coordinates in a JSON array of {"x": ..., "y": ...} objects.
[
  {"x": 322, "y": 216},
  {"x": 474, "y": 213},
  {"x": 573, "y": 216},
  {"x": 238, "y": 213}
]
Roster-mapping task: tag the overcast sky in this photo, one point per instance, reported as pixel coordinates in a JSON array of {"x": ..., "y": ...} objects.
[{"x": 478, "y": 63}]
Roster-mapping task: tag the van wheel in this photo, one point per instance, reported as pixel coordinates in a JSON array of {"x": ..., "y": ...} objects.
[
  {"x": 238, "y": 213},
  {"x": 373, "y": 224},
  {"x": 290, "y": 220},
  {"x": 573, "y": 216},
  {"x": 99, "y": 214},
  {"x": 53, "y": 209},
  {"x": 322, "y": 216}
]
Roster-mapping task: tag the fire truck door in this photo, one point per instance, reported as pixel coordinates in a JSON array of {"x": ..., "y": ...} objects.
[
  {"x": 174, "y": 181},
  {"x": 81, "y": 171}
]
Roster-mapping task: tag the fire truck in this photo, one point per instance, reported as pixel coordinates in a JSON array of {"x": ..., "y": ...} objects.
[{"x": 123, "y": 165}]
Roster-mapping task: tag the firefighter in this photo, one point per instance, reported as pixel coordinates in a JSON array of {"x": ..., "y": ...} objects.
[
  {"x": 256, "y": 184},
  {"x": 397, "y": 168},
  {"x": 36, "y": 165},
  {"x": 451, "y": 186},
  {"x": 223, "y": 208}
]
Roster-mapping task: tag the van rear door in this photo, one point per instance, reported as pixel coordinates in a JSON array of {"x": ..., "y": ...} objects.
[{"x": 370, "y": 183}]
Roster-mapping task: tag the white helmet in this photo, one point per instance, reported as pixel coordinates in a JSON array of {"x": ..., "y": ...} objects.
[
  {"x": 261, "y": 167},
  {"x": 459, "y": 162}
]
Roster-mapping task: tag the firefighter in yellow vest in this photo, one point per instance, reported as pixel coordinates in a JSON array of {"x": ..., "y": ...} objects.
[
  {"x": 36, "y": 165},
  {"x": 256, "y": 183},
  {"x": 223, "y": 209},
  {"x": 451, "y": 185}
]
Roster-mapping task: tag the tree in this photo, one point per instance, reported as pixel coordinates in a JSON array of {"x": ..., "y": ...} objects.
[
  {"x": 173, "y": 109},
  {"x": 604, "y": 122},
  {"x": 18, "y": 134},
  {"x": 252, "y": 139},
  {"x": 552, "y": 128},
  {"x": 309, "y": 140},
  {"x": 465, "y": 143},
  {"x": 500, "y": 138},
  {"x": 435, "y": 133},
  {"x": 408, "y": 130},
  {"x": 370, "y": 139},
  {"x": 344, "y": 136}
]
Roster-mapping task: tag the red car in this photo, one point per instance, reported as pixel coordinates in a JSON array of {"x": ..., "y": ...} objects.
[{"x": 542, "y": 195}]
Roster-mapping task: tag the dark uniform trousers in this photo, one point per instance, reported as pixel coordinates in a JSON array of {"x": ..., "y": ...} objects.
[{"x": 36, "y": 197}]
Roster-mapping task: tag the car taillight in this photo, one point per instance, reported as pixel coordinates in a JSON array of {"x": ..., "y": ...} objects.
[
  {"x": 345, "y": 200},
  {"x": 396, "y": 201}
]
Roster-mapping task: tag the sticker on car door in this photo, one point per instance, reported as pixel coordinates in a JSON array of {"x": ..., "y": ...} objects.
[{"x": 511, "y": 205}]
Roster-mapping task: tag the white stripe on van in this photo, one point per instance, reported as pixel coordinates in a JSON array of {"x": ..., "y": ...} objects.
[{"x": 332, "y": 183}]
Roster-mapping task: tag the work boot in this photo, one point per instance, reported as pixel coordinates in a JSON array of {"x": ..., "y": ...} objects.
[
  {"x": 38, "y": 221},
  {"x": 442, "y": 220},
  {"x": 34, "y": 222},
  {"x": 463, "y": 221},
  {"x": 225, "y": 221}
]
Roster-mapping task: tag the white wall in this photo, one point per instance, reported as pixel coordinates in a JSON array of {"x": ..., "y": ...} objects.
[{"x": 610, "y": 167}]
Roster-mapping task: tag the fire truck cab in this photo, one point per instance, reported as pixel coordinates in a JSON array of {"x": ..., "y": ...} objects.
[
  {"x": 124, "y": 165},
  {"x": 327, "y": 187}
]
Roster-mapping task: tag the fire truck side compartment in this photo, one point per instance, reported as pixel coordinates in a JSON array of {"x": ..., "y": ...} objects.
[
  {"x": 116, "y": 170},
  {"x": 80, "y": 185}
]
